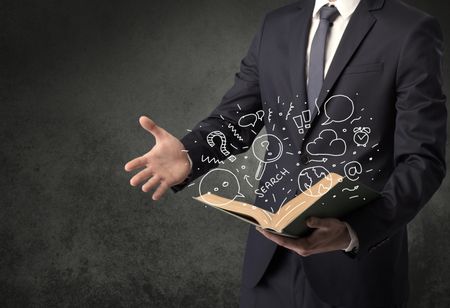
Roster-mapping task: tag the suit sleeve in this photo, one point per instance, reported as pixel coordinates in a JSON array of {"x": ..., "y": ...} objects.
[
  {"x": 419, "y": 140},
  {"x": 243, "y": 98}
]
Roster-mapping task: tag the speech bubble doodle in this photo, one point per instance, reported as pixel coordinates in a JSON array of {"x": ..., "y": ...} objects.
[
  {"x": 353, "y": 170},
  {"x": 248, "y": 120},
  {"x": 260, "y": 114},
  {"x": 327, "y": 144},
  {"x": 221, "y": 182},
  {"x": 251, "y": 119},
  {"x": 271, "y": 147},
  {"x": 346, "y": 109}
]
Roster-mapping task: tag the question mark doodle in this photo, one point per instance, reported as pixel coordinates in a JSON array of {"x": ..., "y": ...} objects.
[
  {"x": 270, "y": 157},
  {"x": 223, "y": 143},
  {"x": 265, "y": 144}
]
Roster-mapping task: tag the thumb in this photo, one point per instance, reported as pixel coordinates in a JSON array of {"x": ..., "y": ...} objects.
[{"x": 150, "y": 126}]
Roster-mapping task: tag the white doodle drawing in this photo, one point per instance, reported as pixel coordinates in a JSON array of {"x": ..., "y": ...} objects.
[
  {"x": 309, "y": 176},
  {"x": 251, "y": 119},
  {"x": 229, "y": 185},
  {"x": 327, "y": 144},
  {"x": 291, "y": 107},
  {"x": 317, "y": 106},
  {"x": 323, "y": 160},
  {"x": 361, "y": 136},
  {"x": 211, "y": 160},
  {"x": 352, "y": 189},
  {"x": 269, "y": 117},
  {"x": 246, "y": 178},
  {"x": 353, "y": 170},
  {"x": 223, "y": 143},
  {"x": 355, "y": 119},
  {"x": 346, "y": 109},
  {"x": 270, "y": 146},
  {"x": 303, "y": 121},
  {"x": 233, "y": 146},
  {"x": 260, "y": 114},
  {"x": 234, "y": 131}
]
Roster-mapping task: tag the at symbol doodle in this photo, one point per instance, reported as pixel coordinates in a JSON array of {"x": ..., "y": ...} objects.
[
  {"x": 223, "y": 143},
  {"x": 353, "y": 170}
]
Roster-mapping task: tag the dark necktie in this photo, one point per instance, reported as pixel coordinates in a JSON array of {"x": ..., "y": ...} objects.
[{"x": 317, "y": 55}]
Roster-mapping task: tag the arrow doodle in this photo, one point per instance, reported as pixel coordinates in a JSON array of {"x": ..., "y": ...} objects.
[{"x": 246, "y": 177}]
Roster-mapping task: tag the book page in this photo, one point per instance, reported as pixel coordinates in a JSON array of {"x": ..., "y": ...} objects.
[
  {"x": 263, "y": 217},
  {"x": 296, "y": 206}
]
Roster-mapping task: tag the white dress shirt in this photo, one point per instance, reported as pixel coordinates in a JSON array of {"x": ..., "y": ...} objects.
[{"x": 346, "y": 9}]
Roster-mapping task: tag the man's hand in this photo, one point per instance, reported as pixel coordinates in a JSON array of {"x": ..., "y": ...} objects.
[
  {"x": 166, "y": 164},
  {"x": 330, "y": 234}
]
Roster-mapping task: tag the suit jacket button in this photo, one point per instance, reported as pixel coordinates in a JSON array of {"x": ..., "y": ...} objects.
[{"x": 304, "y": 159}]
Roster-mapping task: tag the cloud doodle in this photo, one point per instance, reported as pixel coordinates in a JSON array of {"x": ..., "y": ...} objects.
[{"x": 327, "y": 144}]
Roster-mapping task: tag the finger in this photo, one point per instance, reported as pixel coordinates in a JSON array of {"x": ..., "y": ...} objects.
[
  {"x": 160, "y": 191},
  {"x": 151, "y": 183},
  {"x": 141, "y": 176},
  {"x": 299, "y": 245},
  {"x": 150, "y": 126},
  {"x": 314, "y": 222},
  {"x": 278, "y": 239},
  {"x": 135, "y": 163}
]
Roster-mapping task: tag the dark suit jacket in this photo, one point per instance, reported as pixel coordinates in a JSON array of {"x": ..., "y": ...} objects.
[{"x": 389, "y": 65}]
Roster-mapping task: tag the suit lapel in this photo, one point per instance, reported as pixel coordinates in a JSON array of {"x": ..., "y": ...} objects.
[
  {"x": 299, "y": 34},
  {"x": 299, "y": 28},
  {"x": 360, "y": 24}
]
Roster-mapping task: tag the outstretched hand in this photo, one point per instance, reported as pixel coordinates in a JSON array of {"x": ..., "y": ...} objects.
[
  {"x": 165, "y": 165},
  {"x": 330, "y": 234}
]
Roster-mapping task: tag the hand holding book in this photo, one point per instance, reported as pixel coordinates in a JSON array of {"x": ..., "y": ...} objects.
[
  {"x": 343, "y": 197},
  {"x": 330, "y": 234}
]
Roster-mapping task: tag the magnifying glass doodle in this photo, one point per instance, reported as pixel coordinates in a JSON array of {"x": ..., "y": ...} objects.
[{"x": 270, "y": 150}]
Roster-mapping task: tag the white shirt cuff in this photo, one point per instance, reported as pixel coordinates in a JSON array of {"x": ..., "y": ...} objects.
[
  {"x": 354, "y": 243},
  {"x": 190, "y": 160}
]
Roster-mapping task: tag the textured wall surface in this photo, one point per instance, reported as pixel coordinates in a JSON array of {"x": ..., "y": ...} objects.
[{"x": 75, "y": 76}]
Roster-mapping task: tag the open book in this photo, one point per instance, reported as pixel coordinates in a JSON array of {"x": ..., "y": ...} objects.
[{"x": 332, "y": 196}]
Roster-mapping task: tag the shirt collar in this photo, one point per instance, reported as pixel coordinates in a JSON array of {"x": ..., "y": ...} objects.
[{"x": 345, "y": 7}]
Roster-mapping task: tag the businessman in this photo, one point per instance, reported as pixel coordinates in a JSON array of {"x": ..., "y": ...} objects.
[{"x": 346, "y": 86}]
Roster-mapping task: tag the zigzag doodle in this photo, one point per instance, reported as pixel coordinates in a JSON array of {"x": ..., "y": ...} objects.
[
  {"x": 235, "y": 133},
  {"x": 211, "y": 160}
]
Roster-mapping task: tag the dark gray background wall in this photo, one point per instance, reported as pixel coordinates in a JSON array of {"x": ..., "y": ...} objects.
[{"x": 75, "y": 76}]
